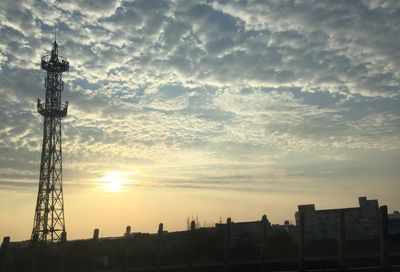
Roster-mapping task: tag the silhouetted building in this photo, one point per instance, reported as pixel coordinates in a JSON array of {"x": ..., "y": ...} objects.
[
  {"x": 361, "y": 222},
  {"x": 243, "y": 229},
  {"x": 394, "y": 222},
  {"x": 252, "y": 231},
  {"x": 394, "y": 216}
]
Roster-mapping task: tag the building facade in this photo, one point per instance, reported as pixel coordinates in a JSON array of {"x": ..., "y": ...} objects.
[{"x": 361, "y": 222}]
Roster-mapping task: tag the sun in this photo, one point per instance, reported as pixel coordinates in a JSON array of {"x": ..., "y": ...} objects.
[{"x": 113, "y": 181}]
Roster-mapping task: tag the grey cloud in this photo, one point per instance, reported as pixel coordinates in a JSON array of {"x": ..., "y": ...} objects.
[
  {"x": 361, "y": 36},
  {"x": 173, "y": 32},
  {"x": 92, "y": 8},
  {"x": 184, "y": 84},
  {"x": 19, "y": 187},
  {"x": 213, "y": 23}
]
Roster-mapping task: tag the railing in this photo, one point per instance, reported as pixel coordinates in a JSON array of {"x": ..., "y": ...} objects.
[
  {"x": 95, "y": 254},
  {"x": 58, "y": 65},
  {"x": 61, "y": 112}
]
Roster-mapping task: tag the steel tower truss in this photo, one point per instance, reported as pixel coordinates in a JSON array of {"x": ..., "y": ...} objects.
[{"x": 49, "y": 213}]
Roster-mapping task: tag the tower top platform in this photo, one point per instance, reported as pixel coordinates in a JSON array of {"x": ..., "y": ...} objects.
[{"x": 54, "y": 62}]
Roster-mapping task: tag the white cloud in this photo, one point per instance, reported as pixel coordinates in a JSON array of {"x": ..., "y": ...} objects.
[{"x": 188, "y": 85}]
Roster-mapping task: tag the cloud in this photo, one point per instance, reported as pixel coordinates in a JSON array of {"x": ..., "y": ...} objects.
[
  {"x": 185, "y": 86},
  {"x": 90, "y": 10}
]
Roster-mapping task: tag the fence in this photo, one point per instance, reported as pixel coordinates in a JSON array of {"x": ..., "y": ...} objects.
[{"x": 53, "y": 258}]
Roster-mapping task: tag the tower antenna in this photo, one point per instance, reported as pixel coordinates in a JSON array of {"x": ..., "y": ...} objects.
[{"x": 49, "y": 223}]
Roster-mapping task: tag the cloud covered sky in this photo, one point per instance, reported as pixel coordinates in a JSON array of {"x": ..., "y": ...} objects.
[{"x": 257, "y": 98}]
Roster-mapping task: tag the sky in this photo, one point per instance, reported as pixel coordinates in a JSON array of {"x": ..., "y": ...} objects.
[{"x": 207, "y": 109}]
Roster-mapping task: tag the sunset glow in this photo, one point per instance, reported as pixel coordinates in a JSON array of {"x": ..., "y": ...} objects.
[
  {"x": 113, "y": 181},
  {"x": 209, "y": 108}
]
